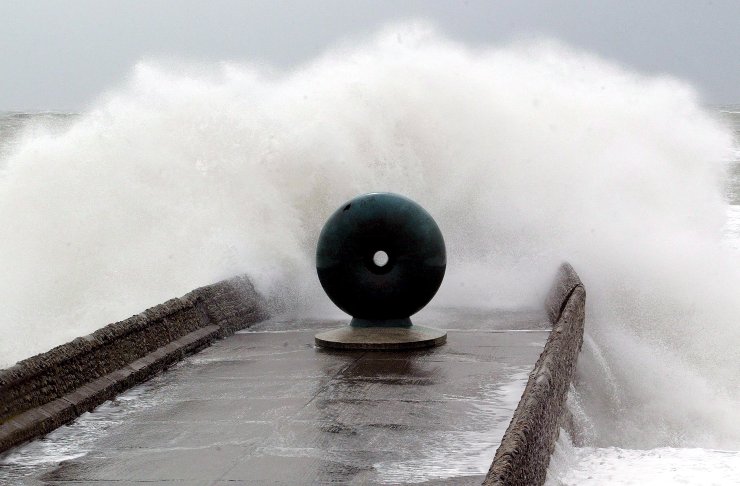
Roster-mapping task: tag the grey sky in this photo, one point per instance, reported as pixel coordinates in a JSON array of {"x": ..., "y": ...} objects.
[{"x": 60, "y": 55}]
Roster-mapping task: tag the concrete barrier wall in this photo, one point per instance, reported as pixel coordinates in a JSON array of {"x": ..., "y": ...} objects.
[
  {"x": 524, "y": 453},
  {"x": 48, "y": 390}
]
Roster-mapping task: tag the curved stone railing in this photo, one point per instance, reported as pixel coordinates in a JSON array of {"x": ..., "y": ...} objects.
[
  {"x": 46, "y": 391},
  {"x": 524, "y": 453}
]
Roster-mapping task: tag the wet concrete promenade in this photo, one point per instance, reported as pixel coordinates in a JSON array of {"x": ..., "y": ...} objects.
[{"x": 266, "y": 407}]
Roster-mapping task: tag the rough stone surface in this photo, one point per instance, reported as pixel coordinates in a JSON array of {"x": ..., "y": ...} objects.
[
  {"x": 565, "y": 281},
  {"x": 93, "y": 368},
  {"x": 524, "y": 453}
]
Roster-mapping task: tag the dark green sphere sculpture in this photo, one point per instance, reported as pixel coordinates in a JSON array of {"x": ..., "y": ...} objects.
[{"x": 381, "y": 258}]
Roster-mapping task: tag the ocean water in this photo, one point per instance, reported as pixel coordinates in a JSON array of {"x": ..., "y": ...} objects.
[
  {"x": 594, "y": 461},
  {"x": 589, "y": 465},
  {"x": 526, "y": 154}
]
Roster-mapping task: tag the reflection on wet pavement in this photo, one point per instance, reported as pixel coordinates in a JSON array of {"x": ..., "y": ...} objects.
[{"x": 266, "y": 405}]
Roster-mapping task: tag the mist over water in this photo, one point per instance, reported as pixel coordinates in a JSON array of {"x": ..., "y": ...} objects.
[{"x": 526, "y": 155}]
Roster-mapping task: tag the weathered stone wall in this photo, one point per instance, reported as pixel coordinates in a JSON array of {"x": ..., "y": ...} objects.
[
  {"x": 524, "y": 453},
  {"x": 563, "y": 285},
  {"x": 42, "y": 392}
]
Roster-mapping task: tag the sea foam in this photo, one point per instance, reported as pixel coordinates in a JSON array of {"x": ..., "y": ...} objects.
[{"x": 526, "y": 155}]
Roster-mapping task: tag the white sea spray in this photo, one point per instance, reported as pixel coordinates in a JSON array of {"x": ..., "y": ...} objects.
[{"x": 526, "y": 155}]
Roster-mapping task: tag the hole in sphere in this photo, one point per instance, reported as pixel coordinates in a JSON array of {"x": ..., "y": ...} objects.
[{"x": 380, "y": 258}]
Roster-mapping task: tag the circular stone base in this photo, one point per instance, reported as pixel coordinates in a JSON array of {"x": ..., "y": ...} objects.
[{"x": 413, "y": 337}]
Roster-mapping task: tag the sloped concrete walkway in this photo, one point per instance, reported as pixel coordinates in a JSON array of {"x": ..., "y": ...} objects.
[{"x": 266, "y": 406}]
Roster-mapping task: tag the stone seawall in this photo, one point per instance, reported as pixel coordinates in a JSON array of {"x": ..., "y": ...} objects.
[
  {"x": 46, "y": 391},
  {"x": 524, "y": 453}
]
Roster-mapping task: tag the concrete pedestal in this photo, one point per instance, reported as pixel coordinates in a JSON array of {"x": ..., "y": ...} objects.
[{"x": 349, "y": 337}]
